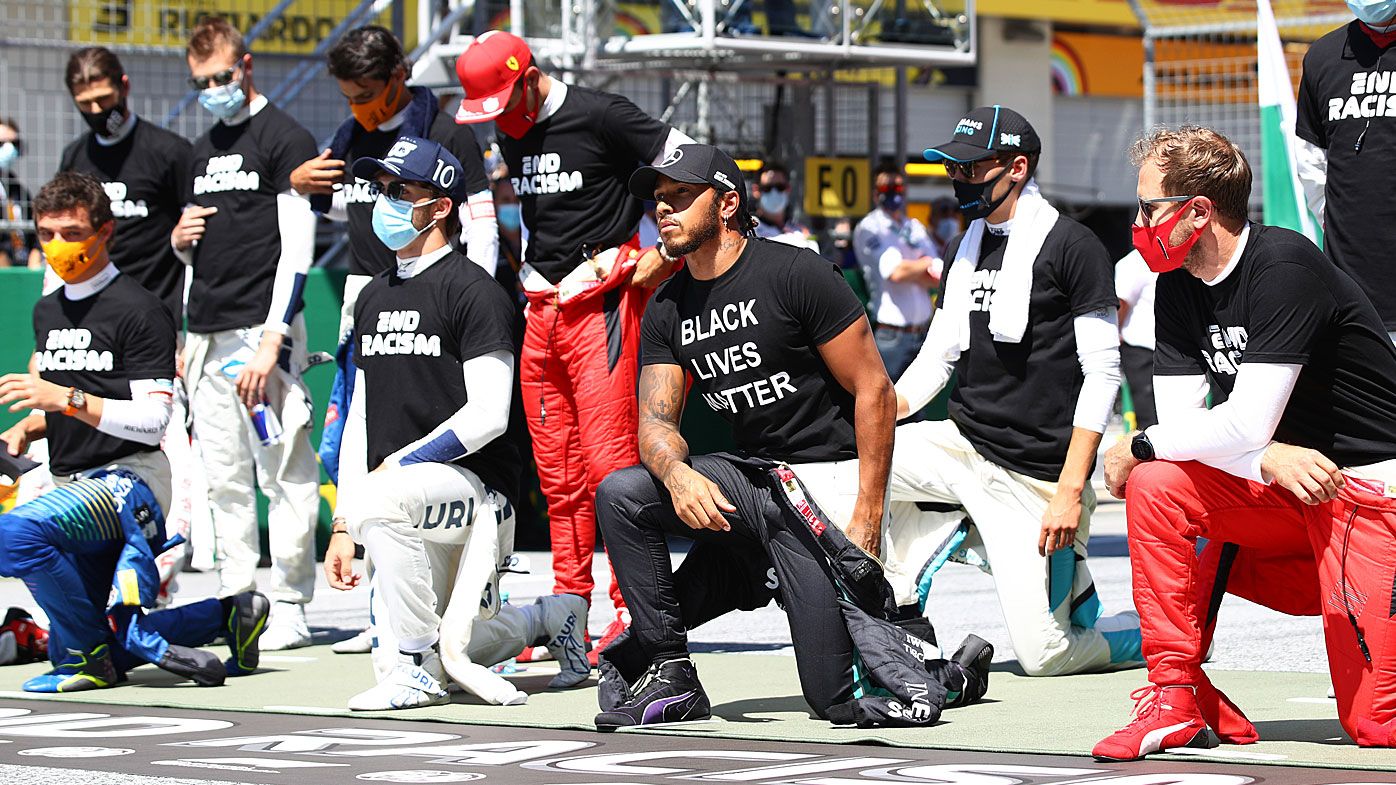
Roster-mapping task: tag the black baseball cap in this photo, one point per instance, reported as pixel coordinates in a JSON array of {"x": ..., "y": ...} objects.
[
  {"x": 691, "y": 163},
  {"x": 418, "y": 161},
  {"x": 986, "y": 131}
]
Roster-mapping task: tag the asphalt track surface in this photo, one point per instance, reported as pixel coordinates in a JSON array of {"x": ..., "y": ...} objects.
[{"x": 43, "y": 743}]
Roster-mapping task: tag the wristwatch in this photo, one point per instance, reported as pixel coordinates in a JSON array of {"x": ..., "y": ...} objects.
[
  {"x": 77, "y": 401},
  {"x": 1141, "y": 448}
]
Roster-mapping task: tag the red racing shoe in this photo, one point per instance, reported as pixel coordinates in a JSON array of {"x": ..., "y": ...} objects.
[
  {"x": 1164, "y": 718},
  {"x": 613, "y": 631}
]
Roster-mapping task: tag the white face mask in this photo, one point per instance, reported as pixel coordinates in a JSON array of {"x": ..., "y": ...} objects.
[
  {"x": 8, "y": 154},
  {"x": 774, "y": 201}
]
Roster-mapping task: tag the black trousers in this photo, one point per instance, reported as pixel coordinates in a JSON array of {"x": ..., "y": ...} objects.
[
  {"x": 635, "y": 513},
  {"x": 1138, "y": 365}
]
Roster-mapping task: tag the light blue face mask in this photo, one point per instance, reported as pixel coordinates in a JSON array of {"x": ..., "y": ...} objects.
[
  {"x": 392, "y": 222},
  {"x": 223, "y": 101},
  {"x": 8, "y": 154},
  {"x": 774, "y": 201},
  {"x": 510, "y": 216},
  {"x": 1373, "y": 12}
]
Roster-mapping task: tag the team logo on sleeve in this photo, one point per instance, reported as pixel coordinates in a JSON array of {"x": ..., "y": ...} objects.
[
  {"x": 70, "y": 349},
  {"x": 396, "y": 333}
]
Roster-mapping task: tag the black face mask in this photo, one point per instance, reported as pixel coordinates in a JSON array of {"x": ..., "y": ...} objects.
[
  {"x": 107, "y": 123},
  {"x": 974, "y": 197}
]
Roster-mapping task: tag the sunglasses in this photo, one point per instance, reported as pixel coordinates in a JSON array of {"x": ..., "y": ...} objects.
[
  {"x": 220, "y": 79},
  {"x": 394, "y": 190},
  {"x": 966, "y": 169},
  {"x": 777, "y": 187},
  {"x": 1146, "y": 206}
]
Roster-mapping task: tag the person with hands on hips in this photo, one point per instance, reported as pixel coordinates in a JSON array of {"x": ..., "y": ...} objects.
[
  {"x": 445, "y": 473},
  {"x": 250, "y": 238},
  {"x": 1026, "y": 323},
  {"x": 1290, "y": 479},
  {"x": 776, "y": 343}
]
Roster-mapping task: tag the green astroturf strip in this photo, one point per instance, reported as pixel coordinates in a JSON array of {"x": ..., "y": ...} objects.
[{"x": 757, "y": 697}]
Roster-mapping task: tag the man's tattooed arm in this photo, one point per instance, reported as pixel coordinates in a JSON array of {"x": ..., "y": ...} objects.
[{"x": 661, "y": 408}]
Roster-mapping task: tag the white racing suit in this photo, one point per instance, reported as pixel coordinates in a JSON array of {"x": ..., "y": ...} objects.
[
  {"x": 433, "y": 531},
  {"x": 977, "y": 512},
  {"x": 236, "y": 463}
]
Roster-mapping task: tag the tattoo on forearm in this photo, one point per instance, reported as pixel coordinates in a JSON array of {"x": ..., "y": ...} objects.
[{"x": 661, "y": 406}]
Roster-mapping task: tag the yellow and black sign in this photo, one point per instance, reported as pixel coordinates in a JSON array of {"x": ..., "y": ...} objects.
[
  {"x": 836, "y": 187},
  {"x": 298, "y": 30}
]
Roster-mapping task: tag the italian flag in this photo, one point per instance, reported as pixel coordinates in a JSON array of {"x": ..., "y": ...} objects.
[{"x": 1284, "y": 204}]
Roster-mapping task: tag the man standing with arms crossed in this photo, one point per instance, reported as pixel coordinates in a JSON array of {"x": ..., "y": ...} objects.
[
  {"x": 250, "y": 239},
  {"x": 570, "y": 151}
]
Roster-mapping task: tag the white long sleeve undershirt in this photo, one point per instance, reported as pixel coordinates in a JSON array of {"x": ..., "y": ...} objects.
[{"x": 143, "y": 418}]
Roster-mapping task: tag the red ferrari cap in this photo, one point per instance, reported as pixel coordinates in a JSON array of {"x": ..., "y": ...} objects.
[{"x": 487, "y": 70}]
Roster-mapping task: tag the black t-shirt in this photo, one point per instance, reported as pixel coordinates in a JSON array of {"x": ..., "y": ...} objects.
[
  {"x": 1015, "y": 402},
  {"x": 1285, "y": 303},
  {"x": 571, "y": 173},
  {"x": 100, "y": 344},
  {"x": 145, "y": 175},
  {"x": 749, "y": 339},
  {"x": 413, "y": 335},
  {"x": 367, "y": 254},
  {"x": 240, "y": 169},
  {"x": 1347, "y": 94}
]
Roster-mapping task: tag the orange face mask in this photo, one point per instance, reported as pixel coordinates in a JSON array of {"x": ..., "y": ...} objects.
[
  {"x": 71, "y": 260},
  {"x": 374, "y": 113}
]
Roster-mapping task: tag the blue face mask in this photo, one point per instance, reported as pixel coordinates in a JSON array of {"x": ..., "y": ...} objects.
[
  {"x": 223, "y": 102},
  {"x": 1373, "y": 12},
  {"x": 774, "y": 201},
  {"x": 8, "y": 154},
  {"x": 392, "y": 222},
  {"x": 510, "y": 216}
]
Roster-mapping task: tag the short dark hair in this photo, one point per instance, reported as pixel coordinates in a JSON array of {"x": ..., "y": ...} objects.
[
  {"x": 69, "y": 191},
  {"x": 1033, "y": 156},
  {"x": 887, "y": 166},
  {"x": 773, "y": 166},
  {"x": 91, "y": 64},
  {"x": 371, "y": 52},
  {"x": 452, "y": 225},
  {"x": 212, "y": 32}
]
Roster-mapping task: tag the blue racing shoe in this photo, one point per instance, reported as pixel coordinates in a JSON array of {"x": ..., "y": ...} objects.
[
  {"x": 77, "y": 672},
  {"x": 247, "y": 620},
  {"x": 668, "y": 692}
]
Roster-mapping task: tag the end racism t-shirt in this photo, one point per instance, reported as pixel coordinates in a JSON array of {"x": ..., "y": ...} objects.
[
  {"x": 100, "y": 344},
  {"x": 1347, "y": 107},
  {"x": 571, "y": 173},
  {"x": 749, "y": 339},
  {"x": 1015, "y": 401},
  {"x": 240, "y": 169},
  {"x": 367, "y": 254},
  {"x": 145, "y": 175},
  {"x": 412, "y": 335},
  {"x": 1285, "y": 303}
]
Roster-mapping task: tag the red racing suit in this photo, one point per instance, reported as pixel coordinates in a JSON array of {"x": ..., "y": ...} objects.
[
  {"x": 578, "y": 375},
  {"x": 1336, "y": 559}
]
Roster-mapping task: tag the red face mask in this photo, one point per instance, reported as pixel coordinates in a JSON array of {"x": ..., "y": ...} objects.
[
  {"x": 1152, "y": 242},
  {"x": 518, "y": 121}
]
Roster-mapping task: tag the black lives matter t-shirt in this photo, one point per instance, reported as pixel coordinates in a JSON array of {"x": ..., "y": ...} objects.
[
  {"x": 749, "y": 339},
  {"x": 1285, "y": 303},
  {"x": 100, "y": 344},
  {"x": 240, "y": 169},
  {"x": 413, "y": 334},
  {"x": 145, "y": 175},
  {"x": 570, "y": 172},
  {"x": 1015, "y": 402},
  {"x": 1347, "y": 94},
  {"x": 367, "y": 254}
]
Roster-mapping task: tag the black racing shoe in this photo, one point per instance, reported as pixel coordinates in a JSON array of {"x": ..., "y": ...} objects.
[
  {"x": 201, "y": 665},
  {"x": 668, "y": 692},
  {"x": 974, "y": 657},
  {"x": 247, "y": 620}
]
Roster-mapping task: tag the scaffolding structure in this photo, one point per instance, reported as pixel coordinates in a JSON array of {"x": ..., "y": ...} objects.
[{"x": 1201, "y": 62}]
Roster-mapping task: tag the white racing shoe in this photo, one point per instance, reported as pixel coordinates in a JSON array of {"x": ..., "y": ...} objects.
[
  {"x": 286, "y": 628},
  {"x": 564, "y": 622},
  {"x": 417, "y": 680},
  {"x": 359, "y": 644}
]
